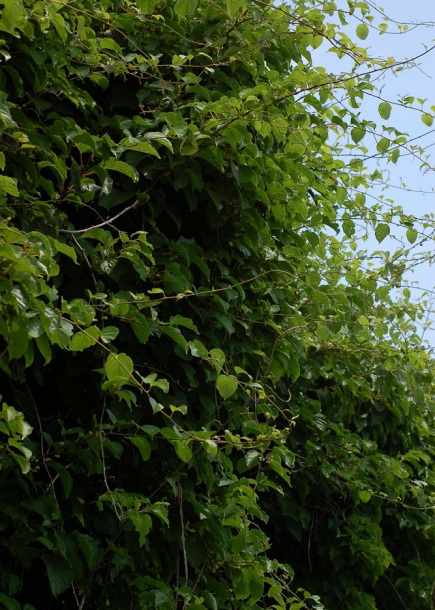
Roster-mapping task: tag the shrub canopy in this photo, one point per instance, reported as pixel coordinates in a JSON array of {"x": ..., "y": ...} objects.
[{"x": 210, "y": 400}]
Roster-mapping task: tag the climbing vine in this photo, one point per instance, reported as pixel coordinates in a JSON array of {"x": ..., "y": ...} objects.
[{"x": 210, "y": 398}]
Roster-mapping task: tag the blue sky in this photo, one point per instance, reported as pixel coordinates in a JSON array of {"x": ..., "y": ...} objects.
[{"x": 410, "y": 186}]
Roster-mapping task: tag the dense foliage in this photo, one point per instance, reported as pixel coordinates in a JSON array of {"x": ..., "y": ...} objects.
[{"x": 209, "y": 399}]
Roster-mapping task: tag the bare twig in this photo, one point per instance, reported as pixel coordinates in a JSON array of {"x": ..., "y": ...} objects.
[
  {"x": 183, "y": 540},
  {"x": 88, "y": 264},
  {"x": 103, "y": 461},
  {"x": 82, "y": 602},
  {"x": 41, "y": 435},
  {"x": 101, "y": 224}
]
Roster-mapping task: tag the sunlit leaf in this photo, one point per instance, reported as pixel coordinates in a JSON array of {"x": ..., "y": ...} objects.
[
  {"x": 84, "y": 339},
  {"x": 382, "y": 231},
  {"x": 362, "y": 31},
  {"x": 427, "y": 119},
  {"x": 411, "y": 235},
  {"x": 384, "y": 110},
  {"x": 226, "y": 385},
  {"x": 119, "y": 367}
]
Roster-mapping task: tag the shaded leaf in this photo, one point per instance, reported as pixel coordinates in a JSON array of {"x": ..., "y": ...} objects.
[
  {"x": 147, "y": 6},
  {"x": 233, "y": 7},
  {"x": 58, "y": 572},
  {"x": 143, "y": 445},
  {"x": 123, "y": 168},
  {"x": 185, "y": 8}
]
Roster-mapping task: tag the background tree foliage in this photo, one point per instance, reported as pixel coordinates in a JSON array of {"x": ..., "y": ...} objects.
[{"x": 209, "y": 401}]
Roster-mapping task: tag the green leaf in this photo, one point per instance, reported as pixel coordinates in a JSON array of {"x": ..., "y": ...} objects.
[
  {"x": 294, "y": 366},
  {"x": 185, "y": 8},
  {"x": 141, "y": 328},
  {"x": 84, "y": 339},
  {"x": 9, "y": 603},
  {"x": 151, "y": 430},
  {"x": 217, "y": 358},
  {"x": 67, "y": 250},
  {"x": 44, "y": 347},
  {"x": 322, "y": 332},
  {"x": 233, "y": 7},
  {"x": 362, "y": 31},
  {"x": 123, "y": 168},
  {"x": 411, "y": 235},
  {"x": 11, "y": 14},
  {"x": 147, "y": 6},
  {"x": 226, "y": 385},
  {"x": 22, "y": 462},
  {"x": 382, "y": 231},
  {"x": 357, "y": 134},
  {"x": 19, "y": 339},
  {"x": 170, "y": 433},
  {"x": 114, "y": 448},
  {"x": 182, "y": 321},
  {"x": 65, "y": 478},
  {"x": 109, "y": 333},
  {"x": 109, "y": 43},
  {"x": 144, "y": 147},
  {"x": 427, "y": 119},
  {"x": 9, "y": 186},
  {"x": 183, "y": 450},
  {"x": 384, "y": 110},
  {"x": 383, "y": 145},
  {"x": 90, "y": 549},
  {"x": 142, "y": 524},
  {"x": 248, "y": 582},
  {"x": 210, "y": 447},
  {"x": 162, "y": 384},
  {"x": 348, "y": 227},
  {"x": 118, "y": 368},
  {"x": 176, "y": 336},
  {"x": 143, "y": 445},
  {"x": 197, "y": 349},
  {"x": 364, "y": 495},
  {"x": 58, "y": 572},
  {"x": 226, "y": 323},
  {"x": 79, "y": 311}
]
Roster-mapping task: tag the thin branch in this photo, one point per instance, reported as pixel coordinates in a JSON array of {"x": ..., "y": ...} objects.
[
  {"x": 183, "y": 539},
  {"x": 88, "y": 264},
  {"x": 101, "y": 224},
  {"x": 103, "y": 461},
  {"x": 41, "y": 436}
]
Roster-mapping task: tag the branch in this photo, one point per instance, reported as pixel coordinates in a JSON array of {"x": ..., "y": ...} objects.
[
  {"x": 183, "y": 540},
  {"x": 102, "y": 224}
]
